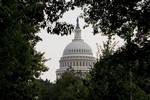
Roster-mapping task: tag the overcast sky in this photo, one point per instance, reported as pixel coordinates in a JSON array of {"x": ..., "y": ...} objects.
[{"x": 53, "y": 45}]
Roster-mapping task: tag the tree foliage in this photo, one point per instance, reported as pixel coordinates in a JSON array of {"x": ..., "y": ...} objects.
[
  {"x": 20, "y": 63},
  {"x": 125, "y": 18},
  {"x": 122, "y": 75},
  {"x": 68, "y": 87}
]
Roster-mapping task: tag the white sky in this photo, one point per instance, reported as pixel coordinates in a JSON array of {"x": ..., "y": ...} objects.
[{"x": 53, "y": 45}]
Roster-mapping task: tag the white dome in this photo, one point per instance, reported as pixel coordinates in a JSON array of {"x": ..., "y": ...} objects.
[
  {"x": 77, "y": 55},
  {"x": 77, "y": 46}
]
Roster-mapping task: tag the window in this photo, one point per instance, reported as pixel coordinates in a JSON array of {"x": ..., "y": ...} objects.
[
  {"x": 79, "y": 50},
  {"x": 77, "y": 63},
  {"x": 80, "y": 63},
  {"x": 83, "y": 63}
]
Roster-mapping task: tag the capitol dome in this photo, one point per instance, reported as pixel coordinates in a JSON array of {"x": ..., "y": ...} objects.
[
  {"x": 77, "y": 55},
  {"x": 77, "y": 47}
]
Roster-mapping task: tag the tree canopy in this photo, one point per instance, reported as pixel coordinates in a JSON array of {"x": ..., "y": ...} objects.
[
  {"x": 122, "y": 75},
  {"x": 68, "y": 87},
  {"x": 20, "y": 63},
  {"x": 125, "y": 18}
]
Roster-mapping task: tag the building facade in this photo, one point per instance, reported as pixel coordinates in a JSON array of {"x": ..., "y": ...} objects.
[{"x": 77, "y": 55}]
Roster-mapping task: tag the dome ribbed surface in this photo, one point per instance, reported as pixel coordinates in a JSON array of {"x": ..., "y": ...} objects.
[{"x": 77, "y": 47}]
